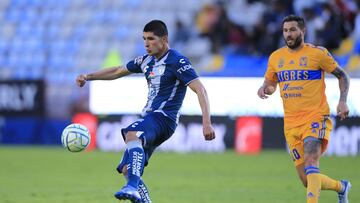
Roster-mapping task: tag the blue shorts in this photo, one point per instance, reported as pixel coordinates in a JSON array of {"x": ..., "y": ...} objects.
[{"x": 153, "y": 129}]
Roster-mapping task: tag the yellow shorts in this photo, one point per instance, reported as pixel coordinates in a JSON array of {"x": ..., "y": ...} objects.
[{"x": 319, "y": 128}]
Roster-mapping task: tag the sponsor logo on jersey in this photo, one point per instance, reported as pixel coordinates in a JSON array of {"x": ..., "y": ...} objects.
[
  {"x": 184, "y": 68},
  {"x": 182, "y": 61},
  {"x": 139, "y": 60},
  {"x": 292, "y": 95},
  {"x": 291, "y": 62},
  {"x": 151, "y": 75},
  {"x": 152, "y": 71},
  {"x": 315, "y": 125},
  {"x": 295, "y": 75},
  {"x": 281, "y": 63},
  {"x": 303, "y": 61},
  {"x": 149, "y": 70},
  {"x": 287, "y": 87}
]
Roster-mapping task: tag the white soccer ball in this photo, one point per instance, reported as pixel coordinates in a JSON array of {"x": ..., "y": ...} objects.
[{"x": 75, "y": 137}]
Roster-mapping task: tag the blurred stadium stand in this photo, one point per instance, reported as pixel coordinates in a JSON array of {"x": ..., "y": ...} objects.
[{"x": 55, "y": 40}]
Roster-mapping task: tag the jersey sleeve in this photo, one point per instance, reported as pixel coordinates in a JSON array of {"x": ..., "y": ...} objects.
[
  {"x": 270, "y": 73},
  {"x": 184, "y": 71},
  {"x": 134, "y": 66},
  {"x": 327, "y": 62}
]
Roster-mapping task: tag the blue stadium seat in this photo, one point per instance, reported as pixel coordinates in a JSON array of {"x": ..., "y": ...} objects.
[
  {"x": 4, "y": 45},
  {"x": 13, "y": 15}
]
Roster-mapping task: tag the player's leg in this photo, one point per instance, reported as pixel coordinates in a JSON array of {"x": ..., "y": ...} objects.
[
  {"x": 144, "y": 192},
  {"x": 142, "y": 137},
  {"x": 312, "y": 153},
  {"x": 136, "y": 159},
  {"x": 320, "y": 133},
  {"x": 317, "y": 181},
  {"x": 310, "y": 169},
  {"x": 142, "y": 189},
  {"x": 164, "y": 129},
  {"x": 123, "y": 168},
  {"x": 327, "y": 183},
  {"x": 306, "y": 155},
  {"x": 296, "y": 149},
  {"x": 134, "y": 139},
  {"x": 300, "y": 171}
]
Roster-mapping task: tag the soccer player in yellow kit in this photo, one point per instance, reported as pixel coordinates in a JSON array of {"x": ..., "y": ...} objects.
[{"x": 299, "y": 69}]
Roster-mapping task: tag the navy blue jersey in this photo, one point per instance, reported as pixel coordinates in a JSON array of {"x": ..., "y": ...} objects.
[{"x": 167, "y": 80}]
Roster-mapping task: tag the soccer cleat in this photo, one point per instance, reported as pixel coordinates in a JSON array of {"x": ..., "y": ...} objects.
[
  {"x": 343, "y": 196},
  {"x": 128, "y": 193}
]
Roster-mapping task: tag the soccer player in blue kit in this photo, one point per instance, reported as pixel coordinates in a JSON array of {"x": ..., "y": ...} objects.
[{"x": 168, "y": 73}]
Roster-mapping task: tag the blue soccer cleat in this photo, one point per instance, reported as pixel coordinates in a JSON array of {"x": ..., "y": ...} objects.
[
  {"x": 343, "y": 196},
  {"x": 128, "y": 193}
]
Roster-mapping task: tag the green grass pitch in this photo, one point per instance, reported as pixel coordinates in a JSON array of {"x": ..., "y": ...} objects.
[{"x": 44, "y": 175}]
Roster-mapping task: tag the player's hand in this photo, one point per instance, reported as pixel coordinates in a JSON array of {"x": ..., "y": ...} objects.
[
  {"x": 81, "y": 80},
  {"x": 261, "y": 93},
  {"x": 208, "y": 132},
  {"x": 342, "y": 110}
]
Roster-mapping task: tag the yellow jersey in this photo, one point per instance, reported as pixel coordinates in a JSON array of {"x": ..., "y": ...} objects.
[{"x": 300, "y": 75}]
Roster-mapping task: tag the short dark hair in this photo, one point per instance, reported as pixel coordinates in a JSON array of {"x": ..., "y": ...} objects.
[
  {"x": 298, "y": 19},
  {"x": 157, "y": 27}
]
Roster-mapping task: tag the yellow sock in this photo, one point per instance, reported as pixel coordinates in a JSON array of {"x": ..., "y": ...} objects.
[
  {"x": 328, "y": 183},
  {"x": 313, "y": 187},
  {"x": 313, "y": 184}
]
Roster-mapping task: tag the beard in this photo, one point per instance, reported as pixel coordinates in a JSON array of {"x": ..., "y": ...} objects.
[{"x": 296, "y": 44}]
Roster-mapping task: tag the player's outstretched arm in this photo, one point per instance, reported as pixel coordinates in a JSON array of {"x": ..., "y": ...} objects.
[
  {"x": 344, "y": 84},
  {"x": 268, "y": 88},
  {"x": 199, "y": 89},
  {"x": 106, "y": 74}
]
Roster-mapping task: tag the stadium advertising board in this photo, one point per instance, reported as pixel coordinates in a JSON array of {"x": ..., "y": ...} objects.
[
  {"x": 248, "y": 135},
  {"x": 345, "y": 138},
  {"x": 89, "y": 121},
  {"x": 31, "y": 130},
  {"x": 187, "y": 137},
  {"x": 22, "y": 98},
  {"x": 273, "y": 133}
]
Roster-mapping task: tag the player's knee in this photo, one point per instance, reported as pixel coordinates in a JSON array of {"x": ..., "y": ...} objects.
[
  {"x": 312, "y": 153},
  {"x": 311, "y": 160},
  {"x": 131, "y": 136},
  {"x": 312, "y": 147}
]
